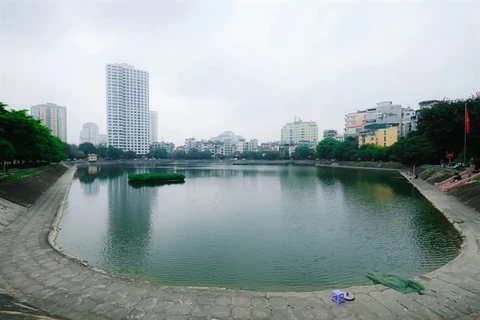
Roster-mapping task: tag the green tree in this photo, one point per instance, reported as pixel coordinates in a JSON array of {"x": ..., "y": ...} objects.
[
  {"x": 7, "y": 152},
  {"x": 303, "y": 153},
  {"x": 87, "y": 147},
  {"x": 114, "y": 153},
  {"x": 102, "y": 151},
  {"x": 271, "y": 155},
  {"x": 345, "y": 150},
  {"x": 159, "y": 154},
  {"x": 130, "y": 155},
  {"x": 325, "y": 148},
  {"x": 31, "y": 140},
  {"x": 414, "y": 149}
]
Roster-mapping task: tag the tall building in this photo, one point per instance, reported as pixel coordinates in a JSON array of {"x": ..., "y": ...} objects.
[
  {"x": 153, "y": 127},
  {"x": 89, "y": 133},
  {"x": 52, "y": 116},
  {"x": 300, "y": 131},
  {"x": 409, "y": 120},
  {"x": 128, "y": 108},
  {"x": 354, "y": 122},
  {"x": 102, "y": 139},
  {"x": 383, "y": 135}
]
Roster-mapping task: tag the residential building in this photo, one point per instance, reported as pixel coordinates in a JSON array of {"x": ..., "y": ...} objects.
[
  {"x": 409, "y": 120},
  {"x": 339, "y": 138},
  {"x": 102, "y": 139},
  {"x": 89, "y": 133},
  {"x": 52, "y": 116},
  {"x": 168, "y": 146},
  {"x": 354, "y": 122},
  {"x": 329, "y": 133},
  {"x": 190, "y": 144},
  {"x": 299, "y": 130},
  {"x": 384, "y": 113},
  {"x": 383, "y": 135},
  {"x": 128, "y": 108},
  {"x": 153, "y": 126}
]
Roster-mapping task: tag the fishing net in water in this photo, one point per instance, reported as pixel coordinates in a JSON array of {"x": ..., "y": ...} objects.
[{"x": 398, "y": 283}]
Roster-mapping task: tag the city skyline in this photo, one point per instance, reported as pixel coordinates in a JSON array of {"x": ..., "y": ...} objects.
[{"x": 250, "y": 71}]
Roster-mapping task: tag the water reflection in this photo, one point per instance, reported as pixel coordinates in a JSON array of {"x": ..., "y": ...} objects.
[{"x": 128, "y": 234}]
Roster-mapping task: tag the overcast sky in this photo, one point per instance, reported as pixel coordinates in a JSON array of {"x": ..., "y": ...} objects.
[{"x": 248, "y": 67}]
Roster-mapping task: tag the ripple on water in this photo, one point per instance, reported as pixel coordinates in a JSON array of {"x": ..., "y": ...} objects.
[{"x": 259, "y": 228}]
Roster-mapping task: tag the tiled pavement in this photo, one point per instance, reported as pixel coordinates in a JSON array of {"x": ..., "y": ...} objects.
[{"x": 35, "y": 272}]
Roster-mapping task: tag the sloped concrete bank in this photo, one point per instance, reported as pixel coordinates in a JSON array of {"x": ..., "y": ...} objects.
[
  {"x": 468, "y": 193},
  {"x": 48, "y": 280}
]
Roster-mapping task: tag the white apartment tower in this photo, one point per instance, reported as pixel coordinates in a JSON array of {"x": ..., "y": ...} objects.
[
  {"x": 299, "y": 131},
  {"x": 153, "y": 127},
  {"x": 89, "y": 133},
  {"x": 128, "y": 108}
]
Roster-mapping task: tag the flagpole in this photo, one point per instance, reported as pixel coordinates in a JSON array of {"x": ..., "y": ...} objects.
[{"x": 465, "y": 141}]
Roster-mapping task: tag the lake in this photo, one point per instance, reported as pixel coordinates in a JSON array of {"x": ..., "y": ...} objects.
[{"x": 269, "y": 228}]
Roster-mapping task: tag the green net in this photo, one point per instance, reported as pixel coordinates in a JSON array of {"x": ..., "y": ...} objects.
[{"x": 398, "y": 283}]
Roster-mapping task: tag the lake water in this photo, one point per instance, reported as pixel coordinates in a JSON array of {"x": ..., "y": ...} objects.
[{"x": 269, "y": 228}]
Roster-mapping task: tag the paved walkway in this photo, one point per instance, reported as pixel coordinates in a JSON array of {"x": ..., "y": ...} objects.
[{"x": 31, "y": 269}]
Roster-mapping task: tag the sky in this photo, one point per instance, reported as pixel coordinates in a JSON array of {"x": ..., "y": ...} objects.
[{"x": 244, "y": 66}]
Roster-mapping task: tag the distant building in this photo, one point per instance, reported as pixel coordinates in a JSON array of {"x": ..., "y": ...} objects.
[
  {"x": 102, "y": 139},
  {"x": 409, "y": 120},
  {"x": 89, "y": 133},
  {"x": 384, "y": 113},
  {"x": 330, "y": 133},
  {"x": 226, "y": 136},
  {"x": 92, "y": 157},
  {"x": 383, "y": 135},
  {"x": 128, "y": 108},
  {"x": 190, "y": 144},
  {"x": 354, "y": 123},
  {"x": 168, "y": 146},
  {"x": 339, "y": 138},
  {"x": 153, "y": 126},
  {"x": 52, "y": 116},
  {"x": 299, "y": 130}
]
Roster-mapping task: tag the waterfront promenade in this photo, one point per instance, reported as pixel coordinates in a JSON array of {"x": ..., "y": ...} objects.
[{"x": 37, "y": 273}]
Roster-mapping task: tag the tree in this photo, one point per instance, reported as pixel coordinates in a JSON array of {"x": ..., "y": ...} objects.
[
  {"x": 102, "y": 151},
  {"x": 30, "y": 139},
  {"x": 443, "y": 125},
  {"x": 114, "y": 153},
  {"x": 325, "y": 148},
  {"x": 159, "y": 154},
  {"x": 345, "y": 150},
  {"x": 414, "y": 149},
  {"x": 87, "y": 147},
  {"x": 271, "y": 155},
  {"x": 303, "y": 153},
  {"x": 7, "y": 152},
  {"x": 178, "y": 154},
  {"x": 130, "y": 155}
]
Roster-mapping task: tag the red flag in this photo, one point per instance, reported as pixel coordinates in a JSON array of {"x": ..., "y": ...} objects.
[{"x": 467, "y": 120}]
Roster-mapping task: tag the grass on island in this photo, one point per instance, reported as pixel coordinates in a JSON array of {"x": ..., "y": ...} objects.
[
  {"x": 152, "y": 178},
  {"x": 15, "y": 174}
]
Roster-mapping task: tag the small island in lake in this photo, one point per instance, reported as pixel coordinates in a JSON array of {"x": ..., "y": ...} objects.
[{"x": 155, "y": 178}]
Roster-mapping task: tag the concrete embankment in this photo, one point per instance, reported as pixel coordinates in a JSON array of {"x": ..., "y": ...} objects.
[
  {"x": 26, "y": 190},
  {"x": 393, "y": 166},
  {"x": 15, "y": 199},
  {"x": 468, "y": 193}
]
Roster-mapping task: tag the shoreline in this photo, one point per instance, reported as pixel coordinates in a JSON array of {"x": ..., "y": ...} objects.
[{"x": 54, "y": 276}]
